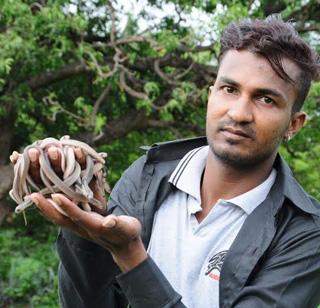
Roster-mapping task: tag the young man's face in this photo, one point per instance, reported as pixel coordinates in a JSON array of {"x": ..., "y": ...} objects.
[{"x": 249, "y": 109}]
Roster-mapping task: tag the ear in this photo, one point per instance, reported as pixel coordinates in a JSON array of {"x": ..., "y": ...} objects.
[
  {"x": 297, "y": 121},
  {"x": 210, "y": 89}
]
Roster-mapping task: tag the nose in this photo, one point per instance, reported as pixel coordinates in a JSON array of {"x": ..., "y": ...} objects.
[{"x": 240, "y": 110}]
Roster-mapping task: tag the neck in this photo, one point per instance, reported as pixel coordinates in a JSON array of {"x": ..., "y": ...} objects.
[{"x": 223, "y": 181}]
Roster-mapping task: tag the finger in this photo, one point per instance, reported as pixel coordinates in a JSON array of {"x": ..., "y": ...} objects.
[
  {"x": 49, "y": 212},
  {"x": 99, "y": 210},
  {"x": 110, "y": 222},
  {"x": 14, "y": 157},
  {"x": 80, "y": 157},
  {"x": 98, "y": 193},
  {"x": 125, "y": 224},
  {"x": 55, "y": 159},
  {"x": 34, "y": 168},
  {"x": 57, "y": 207},
  {"x": 91, "y": 223},
  {"x": 111, "y": 230}
]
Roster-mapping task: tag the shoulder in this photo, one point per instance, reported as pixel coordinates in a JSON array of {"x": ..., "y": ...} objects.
[
  {"x": 291, "y": 189},
  {"x": 165, "y": 151},
  {"x": 172, "y": 150},
  {"x": 162, "y": 154},
  {"x": 154, "y": 166},
  {"x": 297, "y": 230},
  {"x": 315, "y": 202}
]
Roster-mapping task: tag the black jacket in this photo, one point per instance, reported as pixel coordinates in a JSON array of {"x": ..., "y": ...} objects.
[{"x": 273, "y": 262}]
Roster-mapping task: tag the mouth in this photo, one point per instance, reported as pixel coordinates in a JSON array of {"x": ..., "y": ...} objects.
[{"x": 235, "y": 133}]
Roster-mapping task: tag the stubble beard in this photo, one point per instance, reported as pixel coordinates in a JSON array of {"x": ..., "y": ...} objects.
[{"x": 243, "y": 162}]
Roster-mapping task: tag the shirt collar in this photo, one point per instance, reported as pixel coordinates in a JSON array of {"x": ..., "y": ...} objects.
[
  {"x": 187, "y": 178},
  {"x": 187, "y": 175},
  {"x": 249, "y": 200},
  {"x": 285, "y": 185}
]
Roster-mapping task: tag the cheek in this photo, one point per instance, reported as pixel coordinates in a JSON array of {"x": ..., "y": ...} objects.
[
  {"x": 270, "y": 132},
  {"x": 215, "y": 108}
]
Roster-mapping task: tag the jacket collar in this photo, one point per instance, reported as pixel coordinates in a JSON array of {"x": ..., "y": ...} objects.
[
  {"x": 291, "y": 188},
  {"x": 285, "y": 185},
  {"x": 172, "y": 150}
]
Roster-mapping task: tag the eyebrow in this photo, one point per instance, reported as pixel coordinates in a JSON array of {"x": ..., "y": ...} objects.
[
  {"x": 229, "y": 81},
  {"x": 259, "y": 91}
]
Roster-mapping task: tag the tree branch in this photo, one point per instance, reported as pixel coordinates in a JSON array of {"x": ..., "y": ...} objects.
[
  {"x": 130, "y": 91},
  {"x": 309, "y": 12},
  {"x": 113, "y": 22},
  {"x": 65, "y": 72},
  {"x": 309, "y": 28},
  {"x": 136, "y": 39},
  {"x": 151, "y": 123},
  {"x": 199, "y": 48},
  {"x": 162, "y": 75},
  {"x": 118, "y": 128},
  {"x": 103, "y": 95},
  {"x": 141, "y": 65},
  {"x": 137, "y": 120},
  {"x": 51, "y": 101}
]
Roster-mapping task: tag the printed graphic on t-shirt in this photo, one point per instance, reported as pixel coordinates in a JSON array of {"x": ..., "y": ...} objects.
[{"x": 215, "y": 265}]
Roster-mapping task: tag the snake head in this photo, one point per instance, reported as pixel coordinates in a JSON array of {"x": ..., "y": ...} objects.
[{"x": 84, "y": 189}]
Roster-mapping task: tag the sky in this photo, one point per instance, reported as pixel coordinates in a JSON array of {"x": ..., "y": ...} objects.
[{"x": 198, "y": 20}]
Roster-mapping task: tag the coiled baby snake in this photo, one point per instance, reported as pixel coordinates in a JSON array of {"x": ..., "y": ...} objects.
[{"x": 74, "y": 182}]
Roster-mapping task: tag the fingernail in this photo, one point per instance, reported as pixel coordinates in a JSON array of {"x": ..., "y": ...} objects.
[
  {"x": 53, "y": 153},
  {"x": 34, "y": 200},
  {"x": 109, "y": 223},
  {"x": 14, "y": 156},
  {"x": 56, "y": 199},
  {"x": 33, "y": 156}
]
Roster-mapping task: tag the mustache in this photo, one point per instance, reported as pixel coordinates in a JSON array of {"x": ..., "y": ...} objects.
[{"x": 246, "y": 128}]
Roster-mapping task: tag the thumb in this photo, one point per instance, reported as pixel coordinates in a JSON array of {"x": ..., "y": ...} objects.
[{"x": 123, "y": 223}]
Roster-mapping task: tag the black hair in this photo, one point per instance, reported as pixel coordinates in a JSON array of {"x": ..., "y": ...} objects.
[{"x": 274, "y": 39}]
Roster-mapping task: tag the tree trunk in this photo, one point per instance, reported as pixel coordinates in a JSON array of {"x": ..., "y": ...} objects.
[{"x": 6, "y": 169}]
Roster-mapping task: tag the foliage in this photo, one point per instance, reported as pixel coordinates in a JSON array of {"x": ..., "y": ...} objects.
[
  {"x": 303, "y": 152},
  {"x": 28, "y": 264},
  {"x": 74, "y": 67}
]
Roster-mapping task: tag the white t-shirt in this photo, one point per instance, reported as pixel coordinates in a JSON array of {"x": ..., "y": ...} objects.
[{"x": 191, "y": 254}]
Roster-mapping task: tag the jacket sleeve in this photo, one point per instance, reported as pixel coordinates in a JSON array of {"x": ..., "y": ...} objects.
[
  {"x": 145, "y": 286},
  {"x": 289, "y": 274},
  {"x": 87, "y": 271},
  {"x": 86, "y": 274}
]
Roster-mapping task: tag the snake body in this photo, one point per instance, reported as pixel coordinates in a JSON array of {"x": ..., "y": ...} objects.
[{"x": 74, "y": 182}]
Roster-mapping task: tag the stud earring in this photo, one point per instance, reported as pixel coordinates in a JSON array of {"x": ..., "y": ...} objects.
[{"x": 287, "y": 137}]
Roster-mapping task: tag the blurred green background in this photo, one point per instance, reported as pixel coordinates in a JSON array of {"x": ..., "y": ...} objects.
[{"x": 117, "y": 75}]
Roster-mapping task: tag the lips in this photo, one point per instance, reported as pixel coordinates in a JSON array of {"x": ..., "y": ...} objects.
[{"x": 236, "y": 132}]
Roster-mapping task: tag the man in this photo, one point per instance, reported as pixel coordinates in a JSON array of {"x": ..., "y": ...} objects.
[{"x": 223, "y": 225}]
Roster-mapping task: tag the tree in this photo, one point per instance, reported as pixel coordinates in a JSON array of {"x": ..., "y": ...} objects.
[
  {"x": 67, "y": 67},
  {"x": 71, "y": 67}
]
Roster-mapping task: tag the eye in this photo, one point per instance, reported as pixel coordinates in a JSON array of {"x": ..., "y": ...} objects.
[
  {"x": 266, "y": 100},
  {"x": 229, "y": 89}
]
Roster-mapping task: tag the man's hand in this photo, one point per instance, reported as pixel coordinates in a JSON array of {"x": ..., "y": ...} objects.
[
  {"x": 59, "y": 163},
  {"x": 118, "y": 234}
]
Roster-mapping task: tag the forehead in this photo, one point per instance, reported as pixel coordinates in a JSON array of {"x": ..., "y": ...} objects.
[{"x": 249, "y": 69}]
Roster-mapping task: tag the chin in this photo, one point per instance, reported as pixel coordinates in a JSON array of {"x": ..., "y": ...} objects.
[{"x": 240, "y": 160}]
